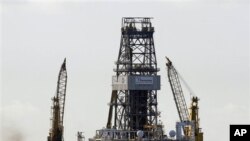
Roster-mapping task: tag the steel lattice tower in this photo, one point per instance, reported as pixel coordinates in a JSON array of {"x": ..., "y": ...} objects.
[{"x": 135, "y": 85}]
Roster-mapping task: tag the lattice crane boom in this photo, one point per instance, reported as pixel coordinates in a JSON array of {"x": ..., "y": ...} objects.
[
  {"x": 61, "y": 89},
  {"x": 56, "y": 131},
  {"x": 180, "y": 102},
  {"x": 177, "y": 92}
]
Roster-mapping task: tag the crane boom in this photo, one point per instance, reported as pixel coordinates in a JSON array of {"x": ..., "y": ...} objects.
[
  {"x": 180, "y": 103},
  {"x": 177, "y": 92},
  {"x": 61, "y": 89},
  {"x": 56, "y": 132}
]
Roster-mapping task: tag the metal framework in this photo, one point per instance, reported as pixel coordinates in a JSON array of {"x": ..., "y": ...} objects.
[
  {"x": 194, "y": 116},
  {"x": 80, "y": 136},
  {"x": 61, "y": 89},
  {"x": 56, "y": 132},
  {"x": 190, "y": 120},
  {"x": 177, "y": 92},
  {"x": 135, "y": 109}
]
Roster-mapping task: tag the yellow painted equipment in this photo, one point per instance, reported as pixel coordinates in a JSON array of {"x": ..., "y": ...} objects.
[
  {"x": 56, "y": 131},
  {"x": 181, "y": 105}
]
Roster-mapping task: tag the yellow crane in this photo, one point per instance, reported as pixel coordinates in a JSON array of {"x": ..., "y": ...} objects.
[
  {"x": 185, "y": 116},
  {"x": 56, "y": 131},
  {"x": 194, "y": 116}
]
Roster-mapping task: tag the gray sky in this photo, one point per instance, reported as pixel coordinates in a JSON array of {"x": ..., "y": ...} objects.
[{"x": 207, "y": 40}]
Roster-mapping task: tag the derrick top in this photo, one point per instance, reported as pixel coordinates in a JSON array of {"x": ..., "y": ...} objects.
[{"x": 137, "y": 25}]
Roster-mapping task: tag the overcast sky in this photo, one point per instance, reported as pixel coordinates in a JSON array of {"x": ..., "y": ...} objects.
[{"x": 207, "y": 40}]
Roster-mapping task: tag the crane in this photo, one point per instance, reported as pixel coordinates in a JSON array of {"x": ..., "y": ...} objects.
[
  {"x": 58, "y": 104},
  {"x": 180, "y": 102},
  {"x": 177, "y": 92}
]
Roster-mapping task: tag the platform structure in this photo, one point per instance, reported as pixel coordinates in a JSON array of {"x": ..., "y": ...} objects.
[
  {"x": 133, "y": 113},
  {"x": 133, "y": 104}
]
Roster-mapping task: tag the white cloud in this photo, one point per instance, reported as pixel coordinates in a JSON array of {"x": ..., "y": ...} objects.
[
  {"x": 17, "y": 109},
  {"x": 233, "y": 108}
]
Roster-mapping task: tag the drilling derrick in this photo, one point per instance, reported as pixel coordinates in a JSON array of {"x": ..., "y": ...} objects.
[
  {"x": 135, "y": 85},
  {"x": 58, "y": 103},
  {"x": 133, "y": 114}
]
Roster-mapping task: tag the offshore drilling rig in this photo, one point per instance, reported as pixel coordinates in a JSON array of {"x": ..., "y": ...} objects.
[
  {"x": 58, "y": 104},
  {"x": 133, "y": 113},
  {"x": 133, "y": 106}
]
